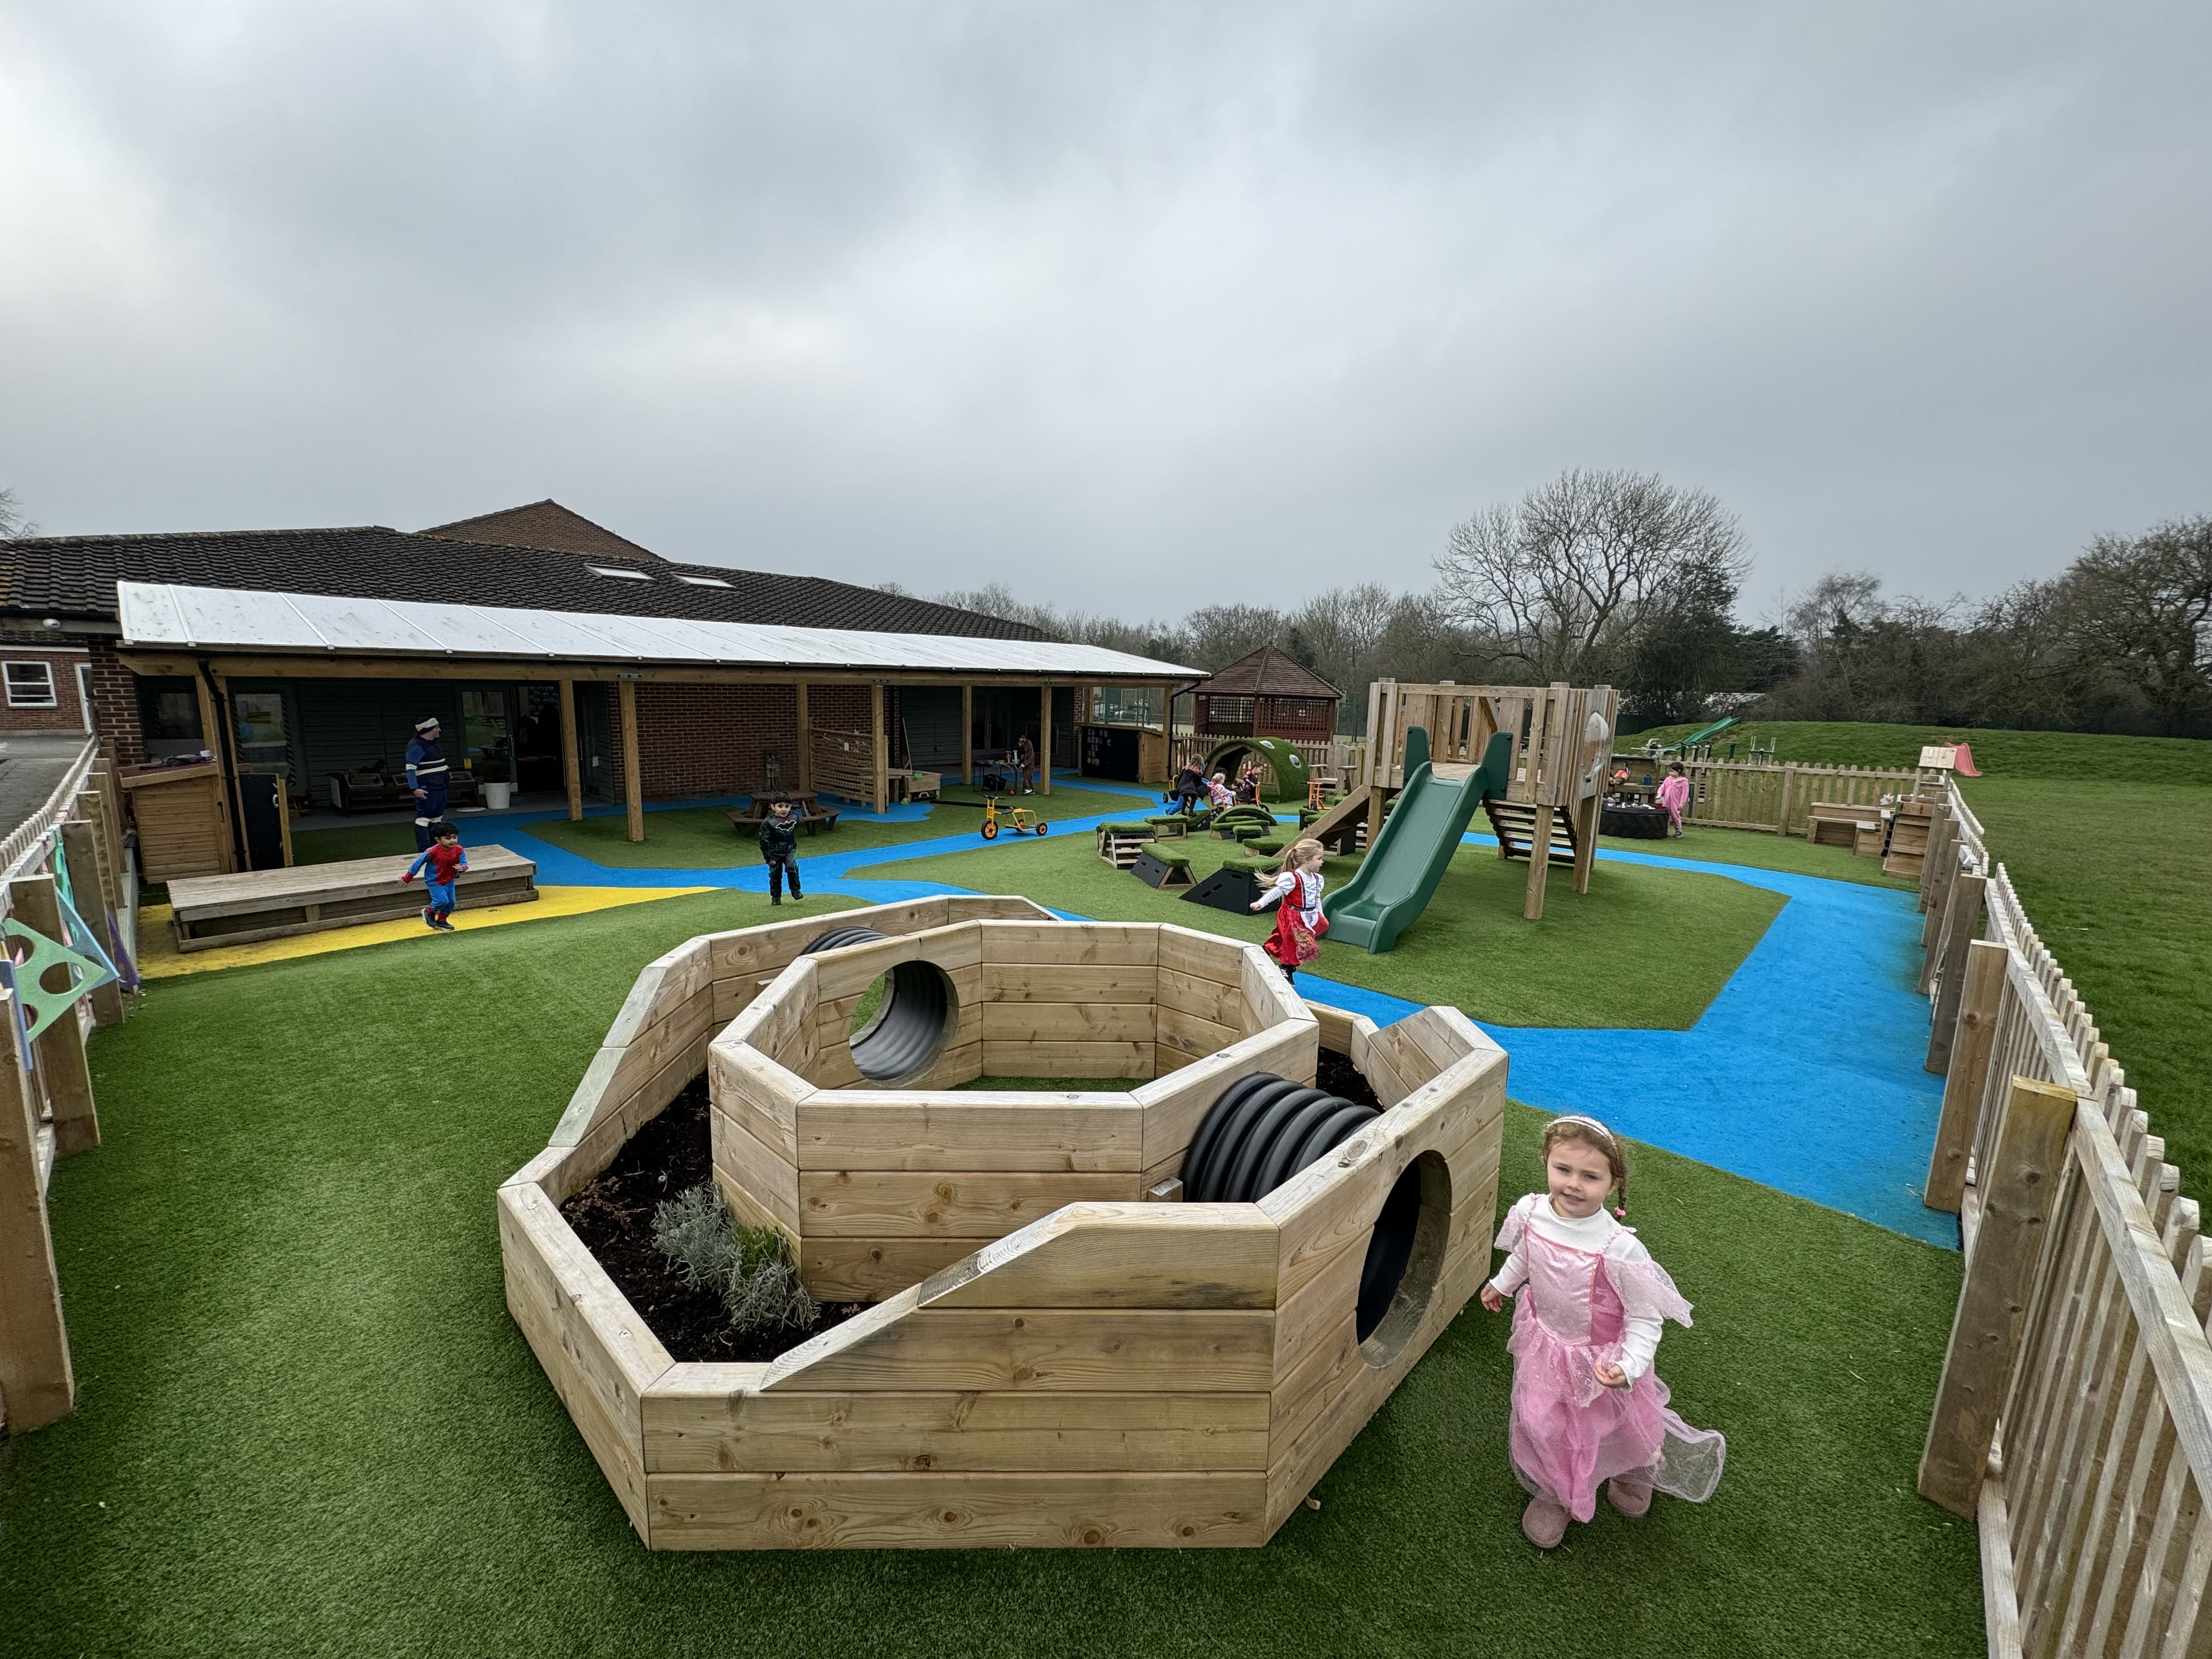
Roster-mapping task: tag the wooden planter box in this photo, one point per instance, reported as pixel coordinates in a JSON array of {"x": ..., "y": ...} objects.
[{"x": 1060, "y": 1354}]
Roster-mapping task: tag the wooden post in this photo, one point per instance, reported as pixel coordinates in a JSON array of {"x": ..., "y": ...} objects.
[
  {"x": 572, "y": 765},
  {"x": 1789, "y": 788},
  {"x": 633, "y": 788},
  {"x": 59, "y": 1051},
  {"x": 87, "y": 880},
  {"x": 805, "y": 742},
  {"x": 1934, "y": 868},
  {"x": 1979, "y": 1007},
  {"x": 1540, "y": 861},
  {"x": 2018, "y": 1191},
  {"x": 878, "y": 749},
  {"x": 1962, "y": 923},
  {"x": 967, "y": 732},
  {"x": 36, "y": 1384},
  {"x": 1605, "y": 704},
  {"x": 1044, "y": 741},
  {"x": 211, "y": 738}
]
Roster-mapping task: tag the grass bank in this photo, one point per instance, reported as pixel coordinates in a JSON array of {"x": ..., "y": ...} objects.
[
  {"x": 308, "y": 1426},
  {"x": 2081, "y": 756}
]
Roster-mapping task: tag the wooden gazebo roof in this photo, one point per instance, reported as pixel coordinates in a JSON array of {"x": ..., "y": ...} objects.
[{"x": 1269, "y": 672}]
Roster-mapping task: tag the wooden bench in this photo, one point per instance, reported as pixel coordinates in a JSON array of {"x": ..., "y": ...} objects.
[
  {"x": 1838, "y": 823},
  {"x": 749, "y": 822},
  {"x": 308, "y": 899}
]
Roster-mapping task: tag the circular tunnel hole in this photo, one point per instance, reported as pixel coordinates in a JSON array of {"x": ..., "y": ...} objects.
[
  {"x": 1264, "y": 1129},
  {"x": 902, "y": 1022}
]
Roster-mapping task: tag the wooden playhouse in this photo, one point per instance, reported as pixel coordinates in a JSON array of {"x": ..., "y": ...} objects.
[{"x": 1064, "y": 1349}]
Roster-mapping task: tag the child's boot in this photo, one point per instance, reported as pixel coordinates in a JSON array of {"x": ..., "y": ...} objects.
[
  {"x": 1545, "y": 1522},
  {"x": 1630, "y": 1497}
]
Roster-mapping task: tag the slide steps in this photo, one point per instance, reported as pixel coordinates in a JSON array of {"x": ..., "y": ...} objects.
[{"x": 1514, "y": 823}]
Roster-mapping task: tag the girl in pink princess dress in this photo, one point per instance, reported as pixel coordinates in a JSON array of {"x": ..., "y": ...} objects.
[
  {"x": 1674, "y": 796},
  {"x": 1588, "y": 1408}
]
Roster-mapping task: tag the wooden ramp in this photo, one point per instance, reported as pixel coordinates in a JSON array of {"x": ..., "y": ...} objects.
[
  {"x": 1514, "y": 823},
  {"x": 307, "y": 898}
]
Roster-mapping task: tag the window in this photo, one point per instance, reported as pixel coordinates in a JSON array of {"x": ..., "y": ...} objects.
[
  {"x": 618, "y": 574},
  {"x": 703, "y": 581},
  {"x": 31, "y": 685}
]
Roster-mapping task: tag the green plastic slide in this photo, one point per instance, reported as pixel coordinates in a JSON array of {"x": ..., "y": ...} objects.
[
  {"x": 1705, "y": 734},
  {"x": 1400, "y": 874}
]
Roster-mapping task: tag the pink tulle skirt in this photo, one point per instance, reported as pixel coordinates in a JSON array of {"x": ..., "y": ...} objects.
[{"x": 1572, "y": 1434}]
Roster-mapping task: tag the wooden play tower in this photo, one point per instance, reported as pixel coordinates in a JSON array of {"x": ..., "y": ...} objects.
[{"x": 1563, "y": 737}]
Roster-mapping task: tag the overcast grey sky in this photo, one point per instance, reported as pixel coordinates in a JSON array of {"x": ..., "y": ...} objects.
[{"x": 1132, "y": 307}]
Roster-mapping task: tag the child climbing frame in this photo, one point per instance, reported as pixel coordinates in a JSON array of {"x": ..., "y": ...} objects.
[{"x": 1562, "y": 738}]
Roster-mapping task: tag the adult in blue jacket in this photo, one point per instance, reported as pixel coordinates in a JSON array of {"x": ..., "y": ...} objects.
[{"x": 427, "y": 777}]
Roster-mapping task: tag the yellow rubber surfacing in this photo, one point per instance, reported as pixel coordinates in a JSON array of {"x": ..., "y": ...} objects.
[{"x": 159, "y": 957}]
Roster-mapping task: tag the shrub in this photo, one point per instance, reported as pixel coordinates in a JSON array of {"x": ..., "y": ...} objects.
[{"x": 749, "y": 1268}]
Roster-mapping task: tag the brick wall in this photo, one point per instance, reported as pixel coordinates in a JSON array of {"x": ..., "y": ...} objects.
[
  {"x": 68, "y": 713},
  {"x": 115, "y": 706},
  {"x": 696, "y": 740}
]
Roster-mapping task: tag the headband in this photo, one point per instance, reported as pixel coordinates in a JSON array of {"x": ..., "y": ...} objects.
[
  {"x": 1580, "y": 1121},
  {"x": 430, "y": 724}
]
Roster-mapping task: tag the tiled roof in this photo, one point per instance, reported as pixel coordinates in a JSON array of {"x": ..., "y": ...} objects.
[
  {"x": 74, "y": 576},
  {"x": 545, "y": 524},
  {"x": 1267, "y": 672}
]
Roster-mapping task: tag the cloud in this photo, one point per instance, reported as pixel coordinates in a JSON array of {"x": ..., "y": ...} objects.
[{"x": 1129, "y": 307}]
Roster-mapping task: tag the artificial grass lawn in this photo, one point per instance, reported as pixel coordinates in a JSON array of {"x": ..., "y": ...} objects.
[
  {"x": 1759, "y": 852},
  {"x": 2083, "y": 756},
  {"x": 363, "y": 840},
  {"x": 1644, "y": 947},
  {"x": 701, "y": 837},
  {"x": 307, "y": 1424},
  {"x": 2112, "y": 876}
]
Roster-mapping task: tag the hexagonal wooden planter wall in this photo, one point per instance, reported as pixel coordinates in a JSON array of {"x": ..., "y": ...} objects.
[{"x": 1061, "y": 1353}]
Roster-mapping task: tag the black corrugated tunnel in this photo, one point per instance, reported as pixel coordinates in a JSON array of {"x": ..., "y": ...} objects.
[
  {"x": 911, "y": 1025},
  {"x": 1262, "y": 1131}
]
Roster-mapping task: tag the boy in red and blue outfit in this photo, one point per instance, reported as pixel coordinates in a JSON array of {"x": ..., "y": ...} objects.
[{"x": 446, "y": 859}]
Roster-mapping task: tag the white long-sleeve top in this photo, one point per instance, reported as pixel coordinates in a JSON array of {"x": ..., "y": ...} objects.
[
  {"x": 1306, "y": 886},
  {"x": 1597, "y": 1234}
]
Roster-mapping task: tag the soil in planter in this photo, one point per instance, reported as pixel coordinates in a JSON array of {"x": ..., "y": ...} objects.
[
  {"x": 1337, "y": 1075},
  {"x": 613, "y": 1217}
]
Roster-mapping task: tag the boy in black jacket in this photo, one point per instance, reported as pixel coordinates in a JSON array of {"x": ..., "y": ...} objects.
[{"x": 779, "y": 845}]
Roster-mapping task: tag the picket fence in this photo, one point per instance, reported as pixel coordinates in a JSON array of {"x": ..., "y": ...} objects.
[{"x": 2073, "y": 1419}]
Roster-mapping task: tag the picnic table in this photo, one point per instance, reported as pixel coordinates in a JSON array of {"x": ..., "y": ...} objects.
[{"x": 812, "y": 815}]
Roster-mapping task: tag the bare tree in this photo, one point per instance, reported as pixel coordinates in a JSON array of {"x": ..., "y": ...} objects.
[
  {"x": 2140, "y": 610},
  {"x": 14, "y": 521},
  {"x": 1557, "y": 580}
]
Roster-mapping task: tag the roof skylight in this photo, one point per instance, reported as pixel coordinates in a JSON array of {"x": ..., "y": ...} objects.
[
  {"x": 618, "y": 573},
  {"x": 703, "y": 581}
]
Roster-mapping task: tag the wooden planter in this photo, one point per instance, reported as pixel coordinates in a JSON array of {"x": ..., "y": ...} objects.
[{"x": 1061, "y": 1353}]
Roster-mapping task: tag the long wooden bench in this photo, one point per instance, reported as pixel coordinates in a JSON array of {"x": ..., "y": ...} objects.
[{"x": 307, "y": 898}]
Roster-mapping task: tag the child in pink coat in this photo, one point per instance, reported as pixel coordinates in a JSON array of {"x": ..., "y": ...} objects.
[
  {"x": 1674, "y": 796},
  {"x": 1588, "y": 1408}
]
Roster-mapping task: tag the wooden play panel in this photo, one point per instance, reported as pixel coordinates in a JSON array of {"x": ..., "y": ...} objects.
[
  {"x": 1062, "y": 1352},
  {"x": 307, "y": 898}
]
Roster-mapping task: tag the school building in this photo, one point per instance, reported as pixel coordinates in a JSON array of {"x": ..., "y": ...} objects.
[{"x": 560, "y": 657}]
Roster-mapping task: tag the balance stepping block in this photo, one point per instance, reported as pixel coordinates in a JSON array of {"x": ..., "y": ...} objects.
[
  {"x": 1120, "y": 843},
  {"x": 1162, "y": 866},
  {"x": 1233, "y": 887},
  {"x": 1172, "y": 826}
]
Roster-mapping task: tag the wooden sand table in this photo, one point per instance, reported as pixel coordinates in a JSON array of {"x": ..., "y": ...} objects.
[{"x": 1061, "y": 1351}]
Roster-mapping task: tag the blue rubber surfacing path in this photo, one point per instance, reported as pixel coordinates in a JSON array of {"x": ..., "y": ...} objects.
[{"x": 1804, "y": 1074}]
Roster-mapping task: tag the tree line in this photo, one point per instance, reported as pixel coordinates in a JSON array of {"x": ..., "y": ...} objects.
[{"x": 1623, "y": 578}]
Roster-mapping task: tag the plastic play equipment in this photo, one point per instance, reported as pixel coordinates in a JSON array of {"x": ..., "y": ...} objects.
[
  {"x": 1277, "y": 759},
  {"x": 1401, "y": 872},
  {"x": 1704, "y": 734}
]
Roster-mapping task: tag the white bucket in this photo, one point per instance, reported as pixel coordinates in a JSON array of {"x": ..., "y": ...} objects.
[{"x": 496, "y": 795}]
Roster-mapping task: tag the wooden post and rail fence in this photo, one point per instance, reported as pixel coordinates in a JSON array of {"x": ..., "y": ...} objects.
[
  {"x": 2073, "y": 1421},
  {"x": 46, "y": 1108}
]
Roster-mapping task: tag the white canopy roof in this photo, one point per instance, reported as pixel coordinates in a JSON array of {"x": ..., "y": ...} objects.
[{"x": 156, "y": 615}]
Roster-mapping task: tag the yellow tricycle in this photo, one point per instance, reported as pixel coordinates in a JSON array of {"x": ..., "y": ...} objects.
[{"x": 1022, "y": 820}]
